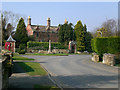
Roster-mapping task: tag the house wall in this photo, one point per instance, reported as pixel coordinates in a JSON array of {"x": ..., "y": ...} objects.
[{"x": 45, "y": 36}]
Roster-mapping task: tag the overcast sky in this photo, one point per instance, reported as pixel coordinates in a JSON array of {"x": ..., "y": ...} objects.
[{"x": 93, "y": 14}]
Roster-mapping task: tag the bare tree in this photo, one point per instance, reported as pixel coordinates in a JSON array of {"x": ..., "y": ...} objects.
[
  {"x": 110, "y": 28},
  {"x": 8, "y": 23}
]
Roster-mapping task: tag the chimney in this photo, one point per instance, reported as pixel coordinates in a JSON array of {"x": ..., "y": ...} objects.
[
  {"x": 66, "y": 22},
  {"x": 48, "y": 22},
  {"x": 29, "y": 20}
]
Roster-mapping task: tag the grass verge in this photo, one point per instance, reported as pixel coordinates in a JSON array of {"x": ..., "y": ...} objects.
[
  {"x": 42, "y": 54},
  {"x": 36, "y": 87},
  {"x": 21, "y": 58},
  {"x": 32, "y": 68}
]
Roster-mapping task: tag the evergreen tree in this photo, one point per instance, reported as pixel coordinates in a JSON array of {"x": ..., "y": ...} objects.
[
  {"x": 61, "y": 34},
  {"x": 66, "y": 33},
  {"x": 80, "y": 36},
  {"x": 21, "y": 36},
  {"x": 88, "y": 37}
]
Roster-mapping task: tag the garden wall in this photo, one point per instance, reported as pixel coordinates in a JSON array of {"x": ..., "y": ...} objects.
[{"x": 6, "y": 70}]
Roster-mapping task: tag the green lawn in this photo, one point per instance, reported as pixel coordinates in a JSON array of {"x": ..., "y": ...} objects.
[
  {"x": 36, "y": 87},
  {"x": 21, "y": 58},
  {"x": 32, "y": 68},
  {"x": 41, "y": 54}
]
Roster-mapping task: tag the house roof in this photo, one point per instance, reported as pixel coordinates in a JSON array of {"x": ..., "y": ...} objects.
[
  {"x": 10, "y": 39},
  {"x": 42, "y": 28}
]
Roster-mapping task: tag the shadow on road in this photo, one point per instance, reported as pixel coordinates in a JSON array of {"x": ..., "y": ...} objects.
[{"x": 88, "y": 81}]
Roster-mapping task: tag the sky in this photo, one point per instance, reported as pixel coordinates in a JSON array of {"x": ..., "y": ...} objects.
[{"x": 93, "y": 14}]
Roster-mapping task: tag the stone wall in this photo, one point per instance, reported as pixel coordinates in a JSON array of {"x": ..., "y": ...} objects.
[
  {"x": 109, "y": 59},
  {"x": 6, "y": 70},
  {"x": 60, "y": 51},
  {"x": 36, "y": 51},
  {"x": 45, "y": 52},
  {"x": 95, "y": 57}
]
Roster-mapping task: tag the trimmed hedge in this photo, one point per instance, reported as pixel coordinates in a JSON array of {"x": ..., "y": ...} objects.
[
  {"x": 106, "y": 45},
  {"x": 44, "y": 45}
]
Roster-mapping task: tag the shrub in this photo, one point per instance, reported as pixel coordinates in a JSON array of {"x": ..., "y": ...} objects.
[
  {"x": 113, "y": 45},
  {"x": 99, "y": 45},
  {"x": 22, "y": 47},
  {"x": 117, "y": 61},
  {"x": 21, "y": 51},
  {"x": 106, "y": 45}
]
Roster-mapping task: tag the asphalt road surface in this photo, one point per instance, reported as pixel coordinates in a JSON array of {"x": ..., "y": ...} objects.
[{"x": 78, "y": 71}]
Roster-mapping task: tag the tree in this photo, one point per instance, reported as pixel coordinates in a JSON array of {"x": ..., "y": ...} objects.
[
  {"x": 66, "y": 33},
  {"x": 80, "y": 36},
  {"x": 11, "y": 17},
  {"x": 61, "y": 34},
  {"x": 102, "y": 32},
  {"x": 88, "y": 37},
  {"x": 111, "y": 26},
  {"x": 108, "y": 28},
  {"x": 21, "y": 36},
  {"x": 8, "y": 23},
  {"x": 3, "y": 25},
  {"x": 31, "y": 38}
]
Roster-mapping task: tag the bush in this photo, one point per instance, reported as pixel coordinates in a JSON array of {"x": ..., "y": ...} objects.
[
  {"x": 23, "y": 47},
  {"x": 44, "y": 45},
  {"x": 21, "y": 51},
  {"x": 113, "y": 45},
  {"x": 106, "y": 45},
  {"x": 99, "y": 45},
  {"x": 117, "y": 60}
]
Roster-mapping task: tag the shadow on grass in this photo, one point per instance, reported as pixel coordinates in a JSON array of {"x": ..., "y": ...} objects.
[
  {"x": 18, "y": 68},
  {"x": 31, "y": 68}
]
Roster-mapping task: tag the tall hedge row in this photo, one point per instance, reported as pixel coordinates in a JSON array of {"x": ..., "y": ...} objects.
[
  {"x": 106, "y": 45},
  {"x": 44, "y": 45}
]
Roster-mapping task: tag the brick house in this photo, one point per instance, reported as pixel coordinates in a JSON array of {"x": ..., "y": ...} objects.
[{"x": 43, "y": 33}]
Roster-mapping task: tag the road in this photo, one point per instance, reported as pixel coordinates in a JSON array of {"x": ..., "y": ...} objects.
[{"x": 78, "y": 71}]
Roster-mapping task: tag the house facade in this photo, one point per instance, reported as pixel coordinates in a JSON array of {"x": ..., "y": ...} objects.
[{"x": 43, "y": 33}]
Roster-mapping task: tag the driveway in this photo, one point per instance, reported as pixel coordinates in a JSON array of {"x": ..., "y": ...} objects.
[{"x": 78, "y": 71}]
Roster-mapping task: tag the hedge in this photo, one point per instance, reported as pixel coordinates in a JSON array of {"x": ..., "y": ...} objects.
[
  {"x": 44, "y": 45},
  {"x": 106, "y": 45}
]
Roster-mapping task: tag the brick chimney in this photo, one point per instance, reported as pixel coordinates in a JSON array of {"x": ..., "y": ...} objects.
[
  {"x": 66, "y": 22},
  {"x": 29, "y": 20},
  {"x": 48, "y": 22}
]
